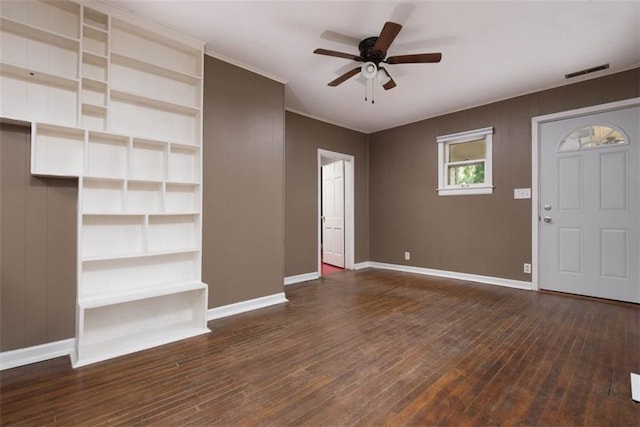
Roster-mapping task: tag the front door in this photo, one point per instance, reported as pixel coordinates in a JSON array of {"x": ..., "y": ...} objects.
[
  {"x": 589, "y": 205},
  {"x": 333, "y": 213}
]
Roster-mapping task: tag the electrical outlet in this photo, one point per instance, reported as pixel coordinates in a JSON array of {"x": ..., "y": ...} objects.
[
  {"x": 407, "y": 256},
  {"x": 527, "y": 268}
]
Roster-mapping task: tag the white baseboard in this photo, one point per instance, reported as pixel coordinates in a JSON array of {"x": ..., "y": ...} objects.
[
  {"x": 244, "y": 306},
  {"x": 37, "y": 353},
  {"x": 362, "y": 265},
  {"x": 301, "y": 278},
  {"x": 509, "y": 283}
]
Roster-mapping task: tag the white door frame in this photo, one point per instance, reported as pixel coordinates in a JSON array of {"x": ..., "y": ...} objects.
[
  {"x": 349, "y": 197},
  {"x": 536, "y": 124}
]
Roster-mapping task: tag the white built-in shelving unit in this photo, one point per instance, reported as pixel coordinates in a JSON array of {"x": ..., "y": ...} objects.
[{"x": 116, "y": 102}]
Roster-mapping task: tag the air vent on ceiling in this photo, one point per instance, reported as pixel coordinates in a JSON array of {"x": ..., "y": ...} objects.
[{"x": 587, "y": 71}]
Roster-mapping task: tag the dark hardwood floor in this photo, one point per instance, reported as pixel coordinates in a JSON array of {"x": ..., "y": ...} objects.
[{"x": 363, "y": 348}]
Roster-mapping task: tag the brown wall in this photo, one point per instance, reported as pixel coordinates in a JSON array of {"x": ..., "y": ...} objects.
[
  {"x": 243, "y": 184},
  {"x": 37, "y": 248},
  {"x": 482, "y": 234},
  {"x": 304, "y": 136}
]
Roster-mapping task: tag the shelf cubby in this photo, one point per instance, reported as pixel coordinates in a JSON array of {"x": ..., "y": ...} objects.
[
  {"x": 184, "y": 164},
  {"x": 144, "y": 197},
  {"x": 38, "y": 50},
  {"x": 113, "y": 276},
  {"x": 151, "y": 121},
  {"x": 140, "y": 80},
  {"x": 136, "y": 42},
  {"x": 38, "y": 96},
  {"x": 107, "y": 155},
  {"x": 172, "y": 232},
  {"x": 102, "y": 196},
  {"x": 57, "y": 150},
  {"x": 148, "y": 160},
  {"x": 95, "y": 41},
  {"x": 55, "y": 17},
  {"x": 94, "y": 92},
  {"x": 117, "y": 328},
  {"x": 154, "y": 103},
  {"x": 108, "y": 236},
  {"x": 182, "y": 198},
  {"x": 93, "y": 117},
  {"x": 94, "y": 66},
  {"x": 96, "y": 19}
]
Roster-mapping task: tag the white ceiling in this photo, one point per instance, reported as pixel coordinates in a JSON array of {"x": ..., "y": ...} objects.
[{"x": 491, "y": 50}]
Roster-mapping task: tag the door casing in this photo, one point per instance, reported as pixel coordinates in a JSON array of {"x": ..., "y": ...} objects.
[
  {"x": 349, "y": 198},
  {"x": 536, "y": 123}
]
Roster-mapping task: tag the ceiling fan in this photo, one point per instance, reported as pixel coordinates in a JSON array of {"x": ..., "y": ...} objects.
[{"x": 373, "y": 52}]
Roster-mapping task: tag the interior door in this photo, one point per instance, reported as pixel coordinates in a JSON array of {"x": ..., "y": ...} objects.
[
  {"x": 333, "y": 213},
  {"x": 589, "y": 205}
]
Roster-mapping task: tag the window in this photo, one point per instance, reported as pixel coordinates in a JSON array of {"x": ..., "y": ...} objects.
[
  {"x": 591, "y": 137},
  {"x": 464, "y": 163}
]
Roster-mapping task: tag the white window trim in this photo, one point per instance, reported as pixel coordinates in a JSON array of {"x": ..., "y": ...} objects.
[{"x": 465, "y": 189}]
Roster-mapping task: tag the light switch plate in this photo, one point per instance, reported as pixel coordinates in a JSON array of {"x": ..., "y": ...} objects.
[
  {"x": 635, "y": 387},
  {"x": 521, "y": 193}
]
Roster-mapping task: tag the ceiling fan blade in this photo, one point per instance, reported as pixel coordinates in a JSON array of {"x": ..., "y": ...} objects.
[
  {"x": 334, "y": 36},
  {"x": 418, "y": 58},
  {"x": 337, "y": 54},
  {"x": 387, "y": 36},
  {"x": 391, "y": 83},
  {"x": 344, "y": 77}
]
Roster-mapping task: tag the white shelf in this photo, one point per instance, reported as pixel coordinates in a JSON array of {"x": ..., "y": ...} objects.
[
  {"x": 172, "y": 233},
  {"x": 102, "y": 196},
  {"x": 39, "y": 34},
  {"x": 139, "y": 273},
  {"x": 100, "y": 351},
  {"x": 29, "y": 74},
  {"x": 144, "y": 197},
  {"x": 94, "y": 66},
  {"x": 181, "y": 198},
  {"x": 96, "y": 20},
  {"x": 116, "y": 102},
  {"x": 108, "y": 237},
  {"x": 137, "y": 42},
  {"x": 57, "y": 17},
  {"x": 153, "y": 103},
  {"x": 106, "y": 155},
  {"x": 101, "y": 301},
  {"x": 148, "y": 160},
  {"x": 152, "y": 68},
  {"x": 95, "y": 41},
  {"x": 136, "y": 255},
  {"x": 57, "y": 150}
]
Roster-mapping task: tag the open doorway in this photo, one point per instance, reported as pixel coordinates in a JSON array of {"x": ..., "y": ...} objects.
[{"x": 335, "y": 211}]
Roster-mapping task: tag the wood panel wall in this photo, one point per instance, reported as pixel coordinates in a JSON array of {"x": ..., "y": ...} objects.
[
  {"x": 487, "y": 235},
  {"x": 37, "y": 248},
  {"x": 304, "y": 136},
  {"x": 243, "y": 184}
]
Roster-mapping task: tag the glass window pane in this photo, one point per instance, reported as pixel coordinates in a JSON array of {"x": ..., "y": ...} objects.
[
  {"x": 466, "y": 174},
  {"x": 591, "y": 137},
  {"x": 472, "y": 150}
]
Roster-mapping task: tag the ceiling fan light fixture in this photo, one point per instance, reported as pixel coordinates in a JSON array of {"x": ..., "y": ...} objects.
[
  {"x": 382, "y": 77},
  {"x": 369, "y": 70}
]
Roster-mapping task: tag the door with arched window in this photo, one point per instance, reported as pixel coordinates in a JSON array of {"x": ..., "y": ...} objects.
[{"x": 589, "y": 205}]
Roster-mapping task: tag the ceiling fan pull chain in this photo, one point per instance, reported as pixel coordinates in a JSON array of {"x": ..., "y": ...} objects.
[
  {"x": 373, "y": 91},
  {"x": 366, "y": 87}
]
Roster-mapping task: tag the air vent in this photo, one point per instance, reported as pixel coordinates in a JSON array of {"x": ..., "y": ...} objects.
[{"x": 587, "y": 71}]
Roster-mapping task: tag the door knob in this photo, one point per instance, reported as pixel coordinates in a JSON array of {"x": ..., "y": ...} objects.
[
  {"x": 547, "y": 219},
  {"x": 547, "y": 207}
]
